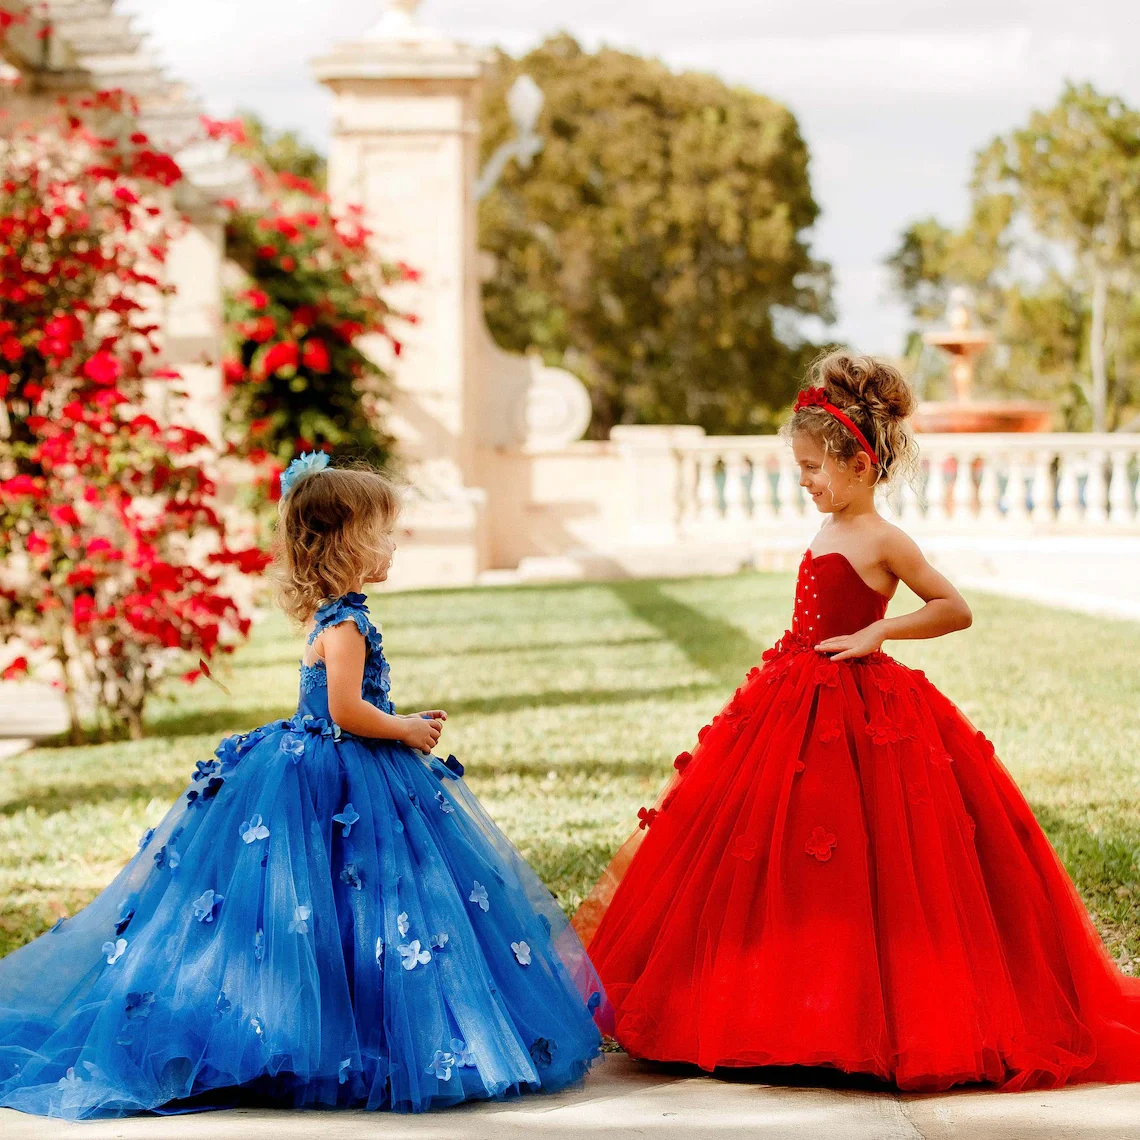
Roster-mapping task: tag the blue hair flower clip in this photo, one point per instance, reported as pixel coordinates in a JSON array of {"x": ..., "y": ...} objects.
[{"x": 302, "y": 465}]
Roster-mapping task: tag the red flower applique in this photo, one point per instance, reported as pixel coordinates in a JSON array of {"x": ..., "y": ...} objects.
[
  {"x": 885, "y": 733},
  {"x": 683, "y": 761},
  {"x": 646, "y": 816},
  {"x": 829, "y": 732},
  {"x": 799, "y": 766},
  {"x": 919, "y": 793},
  {"x": 811, "y": 398},
  {"x": 743, "y": 848},
  {"x": 821, "y": 843},
  {"x": 885, "y": 680},
  {"x": 986, "y": 745},
  {"x": 826, "y": 672},
  {"x": 704, "y": 732},
  {"x": 939, "y": 757}
]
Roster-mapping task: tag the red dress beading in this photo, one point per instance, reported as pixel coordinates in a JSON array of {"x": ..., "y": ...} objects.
[{"x": 844, "y": 874}]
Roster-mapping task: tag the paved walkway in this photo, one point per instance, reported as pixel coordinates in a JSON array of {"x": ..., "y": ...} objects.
[{"x": 623, "y": 1099}]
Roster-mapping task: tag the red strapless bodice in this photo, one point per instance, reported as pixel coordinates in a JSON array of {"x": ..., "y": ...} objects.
[{"x": 831, "y": 599}]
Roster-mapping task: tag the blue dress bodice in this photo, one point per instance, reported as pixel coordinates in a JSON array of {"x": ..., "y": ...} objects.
[{"x": 314, "y": 698}]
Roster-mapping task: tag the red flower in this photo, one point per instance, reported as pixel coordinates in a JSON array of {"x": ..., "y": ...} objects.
[
  {"x": 257, "y": 298},
  {"x": 316, "y": 356},
  {"x": 284, "y": 354},
  {"x": 827, "y": 672},
  {"x": 36, "y": 543},
  {"x": 829, "y": 732},
  {"x": 682, "y": 761},
  {"x": 646, "y": 816},
  {"x": 64, "y": 515},
  {"x": 15, "y": 669},
  {"x": 103, "y": 368},
  {"x": 11, "y": 349},
  {"x": 21, "y": 485},
  {"x": 811, "y": 398},
  {"x": 233, "y": 371},
  {"x": 743, "y": 848},
  {"x": 821, "y": 843}
]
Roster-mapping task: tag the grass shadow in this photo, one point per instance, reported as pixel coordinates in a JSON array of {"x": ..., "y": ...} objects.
[
  {"x": 216, "y": 721},
  {"x": 558, "y": 698},
  {"x": 717, "y": 646},
  {"x": 50, "y": 801}
]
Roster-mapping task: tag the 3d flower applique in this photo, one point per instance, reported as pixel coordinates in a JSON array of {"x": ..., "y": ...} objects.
[
  {"x": 479, "y": 896},
  {"x": 254, "y": 829},
  {"x": 454, "y": 766},
  {"x": 292, "y": 746},
  {"x": 346, "y": 818},
  {"x": 542, "y": 1051},
  {"x": 464, "y": 1057},
  {"x": 439, "y": 941},
  {"x": 798, "y": 765},
  {"x": 223, "y": 1005},
  {"x": 402, "y": 924},
  {"x": 342, "y": 1072},
  {"x": 821, "y": 844},
  {"x": 206, "y": 905},
  {"x": 986, "y": 745},
  {"x": 939, "y": 757},
  {"x": 301, "y": 916},
  {"x": 826, "y": 672},
  {"x": 58, "y": 924},
  {"x": 743, "y": 848},
  {"x": 522, "y": 953},
  {"x": 885, "y": 680},
  {"x": 138, "y": 1005},
  {"x": 146, "y": 837},
  {"x": 203, "y": 770},
  {"x": 68, "y": 1081},
  {"x": 829, "y": 732},
  {"x": 594, "y": 1002},
  {"x": 683, "y": 761},
  {"x": 884, "y": 733},
  {"x": 646, "y": 816},
  {"x": 256, "y": 1026},
  {"x": 703, "y": 732},
  {"x": 350, "y": 874},
  {"x": 380, "y": 952},
  {"x": 441, "y": 1065},
  {"x": 412, "y": 954},
  {"x": 444, "y": 803},
  {"x": 259, "y": 945},
  {"x": 113, "y": 951}
]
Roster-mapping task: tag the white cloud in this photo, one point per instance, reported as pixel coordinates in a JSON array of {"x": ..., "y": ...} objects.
[{"x": 893, "y": 96}]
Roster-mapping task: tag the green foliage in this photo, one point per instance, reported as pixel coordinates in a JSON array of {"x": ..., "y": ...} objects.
[
  {"x": 567, "y": 705},
  {"x": 657, "y": 246},
  {"x": 284, "y": 152},
  {"x": 1052, "y": 252}
]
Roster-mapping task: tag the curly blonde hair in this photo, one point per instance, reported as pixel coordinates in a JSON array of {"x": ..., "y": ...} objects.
[
  {"x": 877, "y": 399},
  {"x": 334, "y": 531}
]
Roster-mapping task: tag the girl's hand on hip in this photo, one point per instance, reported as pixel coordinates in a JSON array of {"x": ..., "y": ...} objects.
[{"x": 859, "y": 644}]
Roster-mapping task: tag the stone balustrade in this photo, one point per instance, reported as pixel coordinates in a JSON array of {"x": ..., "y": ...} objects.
[{"x": 1054, "y": 482}]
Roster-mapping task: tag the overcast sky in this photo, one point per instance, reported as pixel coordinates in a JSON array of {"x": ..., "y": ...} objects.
[{"x": 893, "y": 96}]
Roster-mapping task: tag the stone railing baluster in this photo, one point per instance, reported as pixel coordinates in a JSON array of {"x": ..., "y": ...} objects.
[
  {"x": 1120, "y": 512},
  {"x": 1068, "y": 488}
]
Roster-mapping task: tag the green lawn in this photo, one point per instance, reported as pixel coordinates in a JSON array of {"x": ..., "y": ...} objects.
[{"x": 568, "y": 704}]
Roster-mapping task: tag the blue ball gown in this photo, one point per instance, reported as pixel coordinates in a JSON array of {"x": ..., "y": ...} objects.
[{"x": 320, "y": 920}]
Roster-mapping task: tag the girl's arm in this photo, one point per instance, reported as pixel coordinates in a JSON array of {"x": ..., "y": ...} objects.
[
  {"x": 945, "y": 611},
  {"x": 344, "y": 656}
]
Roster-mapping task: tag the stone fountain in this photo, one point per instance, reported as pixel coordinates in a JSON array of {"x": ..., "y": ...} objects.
[{"x": 964, "y": 342}]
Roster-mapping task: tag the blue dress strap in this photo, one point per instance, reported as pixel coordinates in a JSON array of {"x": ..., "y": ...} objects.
[{"x": 349, "y": 607}]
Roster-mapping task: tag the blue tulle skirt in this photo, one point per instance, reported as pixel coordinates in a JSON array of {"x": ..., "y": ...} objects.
[{"x": 319, "y": 921}]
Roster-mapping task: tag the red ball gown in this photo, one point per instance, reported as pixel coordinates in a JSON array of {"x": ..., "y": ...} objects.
[{"x": 843, "y": 874}]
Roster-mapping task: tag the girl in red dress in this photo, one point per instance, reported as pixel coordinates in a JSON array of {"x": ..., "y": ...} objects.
[{"x": 842, "y": 873}]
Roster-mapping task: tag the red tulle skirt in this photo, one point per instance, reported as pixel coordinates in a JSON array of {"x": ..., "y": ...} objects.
[{"x": 844, "y": 874}]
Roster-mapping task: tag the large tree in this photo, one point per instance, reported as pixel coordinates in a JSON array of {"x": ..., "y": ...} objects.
[
  {"x": 1052, "y": 251},
  {"x": 658, "y": 244}
]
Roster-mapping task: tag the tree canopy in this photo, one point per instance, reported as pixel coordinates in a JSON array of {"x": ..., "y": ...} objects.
[
  {"x": 1052, "y": 251},
  {"x": 658, "y": 245}
]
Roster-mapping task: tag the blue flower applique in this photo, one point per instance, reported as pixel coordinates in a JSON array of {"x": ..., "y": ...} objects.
[
  {"x": 342, "y": 1073},
  {"x": 522, "y": 953},
  {"x": 113, "y": 951},
  {"x": 594, "y": 1002},
  {"x": 479, "y": 896},
  {"x": 68, "y": 1081},
  {"x": 306, "y": 463},
  {"x": 350, "y": 874},
  {"x": 464, "y": 1057},
  {"x": 380, "y": 952},
  {"x": 126, "y": 913},
  {"x": 300, "y": 923},
  {"x": 439, "y": 941},
  {"x": 412, "y": 955},
  {"x": 204, "y": 769},
  {"x": 146, "y": 837},
  {"x": 206, "y": 905},
  {"x": 138, "y": 1005},
  {"x": 542, "y": 1051},
  {"x": 223, "y": 1005},
  {"x": 254, "y": 829},
  {"x": 402, "y": 923},
  {"x": 442, "y": 1064},
  {"x": 196, "y": 798},
  {"x": 255, "y": 1025},
  {"x": 453, "y": 765},
  {"x": 259, "y": 945},
  {"x": 347, "y": 818},
  {"x": 444, "y": 804},
  {"x": 293, "y": 746}
]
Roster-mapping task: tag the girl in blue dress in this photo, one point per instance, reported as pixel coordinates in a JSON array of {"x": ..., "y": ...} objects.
[{"x": 326, "y": 917}]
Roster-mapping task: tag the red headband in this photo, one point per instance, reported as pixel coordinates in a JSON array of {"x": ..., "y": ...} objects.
[{"x": 817, "y": 398}]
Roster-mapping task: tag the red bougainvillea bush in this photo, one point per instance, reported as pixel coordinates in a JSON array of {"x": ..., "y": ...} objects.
[
  {"x": 113, "y": 559},
  {"x": 297, "y": 378}
]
